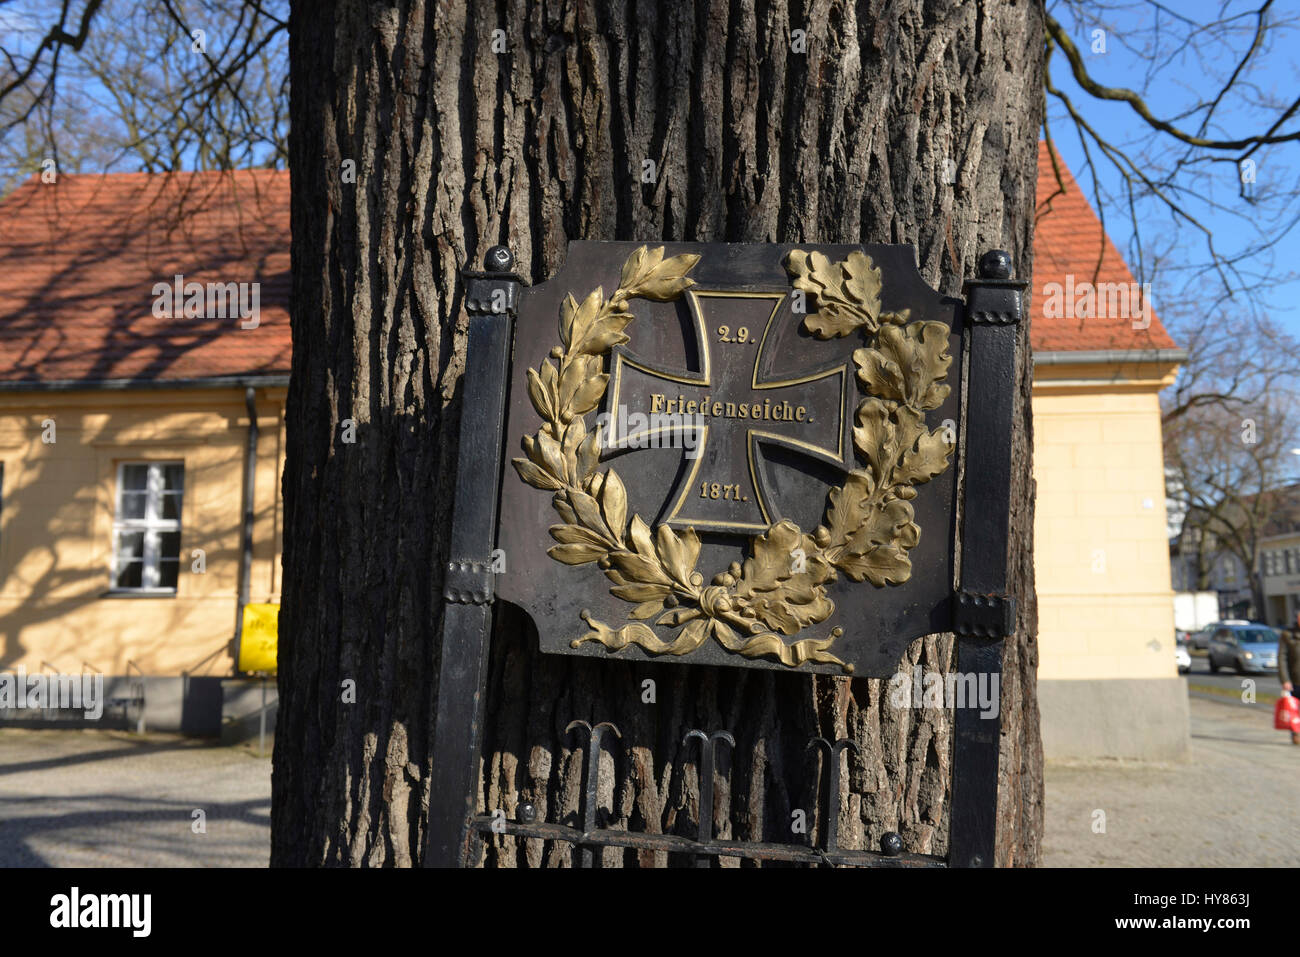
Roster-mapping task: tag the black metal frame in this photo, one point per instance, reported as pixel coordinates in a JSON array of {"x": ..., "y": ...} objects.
[
  {"x": 983, "y": 613},
  {"x": 491, "y": 298}
]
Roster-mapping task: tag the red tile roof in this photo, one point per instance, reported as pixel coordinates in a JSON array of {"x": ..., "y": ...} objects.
[
  {"x": 1071, "y": 248},
  {"x": 79, "y": 260}
]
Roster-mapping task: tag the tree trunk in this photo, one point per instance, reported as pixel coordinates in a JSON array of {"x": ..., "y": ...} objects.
[{"x": 457, "y": 147}]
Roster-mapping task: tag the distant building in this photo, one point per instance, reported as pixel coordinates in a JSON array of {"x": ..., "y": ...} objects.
[
  {"x": 1279, "y": 561},
  {"x": 1280, "y": 567},
  {"x": 1201, "y": 561},
  {"x": 1194, "y": 566}
]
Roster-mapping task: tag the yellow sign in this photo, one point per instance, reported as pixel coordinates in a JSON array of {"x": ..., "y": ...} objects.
[{"x": 258, "y": 640}]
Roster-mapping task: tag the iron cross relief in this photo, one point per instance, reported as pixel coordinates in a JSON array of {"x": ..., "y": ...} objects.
[{"x": 720, "y": 417}]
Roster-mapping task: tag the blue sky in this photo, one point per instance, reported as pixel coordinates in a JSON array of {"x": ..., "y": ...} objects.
[{"x": 1178, "y": 74}]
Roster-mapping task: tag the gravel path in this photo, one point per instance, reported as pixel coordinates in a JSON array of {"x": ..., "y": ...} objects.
[
  {"x": 1234, "y": 803},
  {"x": 101, "y": 798},
  {"x": 106, "y": 798}
]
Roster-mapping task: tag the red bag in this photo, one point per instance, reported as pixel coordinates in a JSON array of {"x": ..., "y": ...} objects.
[{"x": 1286, "y": 713}]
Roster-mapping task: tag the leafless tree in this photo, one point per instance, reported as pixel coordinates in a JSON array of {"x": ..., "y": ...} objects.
[
  {"x": 1223, "y": 152},
  {"x": 155, "y": 87},
  {"x": 1231, "y": 473}
]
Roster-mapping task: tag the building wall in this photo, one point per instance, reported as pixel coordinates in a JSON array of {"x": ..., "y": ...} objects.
[
  {"x": 56, "y": 520},
  {"x": 1280, "y": 578},
  {"x": 1108, "y": 685}
]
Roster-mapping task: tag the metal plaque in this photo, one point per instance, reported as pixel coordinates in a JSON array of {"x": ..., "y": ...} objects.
[{"x": 732, "y": 455}]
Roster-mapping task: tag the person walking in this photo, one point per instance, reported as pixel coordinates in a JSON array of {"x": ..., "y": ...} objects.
[{"x": 1288, "y": 661}]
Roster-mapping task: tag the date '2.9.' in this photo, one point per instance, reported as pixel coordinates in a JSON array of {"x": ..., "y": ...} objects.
[{"x": 741, "y": 337}]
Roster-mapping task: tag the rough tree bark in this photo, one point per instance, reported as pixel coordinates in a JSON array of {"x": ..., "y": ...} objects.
[{"x": 456, "y": 147}]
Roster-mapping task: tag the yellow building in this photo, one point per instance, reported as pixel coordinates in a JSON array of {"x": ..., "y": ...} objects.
[
  {"x": 1107, "y": 682},
  {"x": 124, "y": 431}
]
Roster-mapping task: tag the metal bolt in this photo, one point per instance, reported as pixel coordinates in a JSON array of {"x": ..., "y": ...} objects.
[
  {"x": 527, "y": 814},
  {"x": 891, "y": 844},
  {"x": 498, "y": 259}
]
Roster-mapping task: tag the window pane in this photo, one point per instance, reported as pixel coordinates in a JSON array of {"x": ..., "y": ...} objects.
[
  {"x": 135, "y": 477},
  {"x": 129, "y": 555},
  {"x": 168, "y": 572},
  {"x": 169, "y": 545},
  {"x": 173, "y": 477},
  {"x": 130, "y": 575},
  {"x": 132, "y": 505},
  {"x": 170, "y": 507},
  {"x": 130, "y": 546}
]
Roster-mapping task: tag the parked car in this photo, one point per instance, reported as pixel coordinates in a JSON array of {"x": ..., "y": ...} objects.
[
  {"x": 1246, "y": 648},
  {"x": 1182, "y": 658},
  {"x": 1200, "y": 640}
]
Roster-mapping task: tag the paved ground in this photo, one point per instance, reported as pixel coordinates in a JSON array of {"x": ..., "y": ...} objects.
[
  {"x": 96, "y": 798},
  {"x": 107, "y": 798},
  {"x": 1234, "y": 803}
]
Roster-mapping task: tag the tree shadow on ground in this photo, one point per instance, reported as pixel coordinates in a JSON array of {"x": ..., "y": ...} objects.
[{"x": 16, "y": 833}]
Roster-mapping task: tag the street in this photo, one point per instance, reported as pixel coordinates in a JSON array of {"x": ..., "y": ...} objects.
[
  {"x": 1201, "y": 683},
  {"x": 1231, "y": 804},
  {"x": 113, "y": 799},
  {"x": 96, "y": 798}
]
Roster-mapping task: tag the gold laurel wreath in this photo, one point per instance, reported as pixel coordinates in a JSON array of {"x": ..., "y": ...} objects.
[{"x": 781, "y": 587}]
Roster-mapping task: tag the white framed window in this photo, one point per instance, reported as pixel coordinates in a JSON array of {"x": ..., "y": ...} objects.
[{"x": 147, "y": 527}]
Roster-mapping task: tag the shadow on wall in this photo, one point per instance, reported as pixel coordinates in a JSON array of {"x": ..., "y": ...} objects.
[{"x": 55, "y": 591}]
